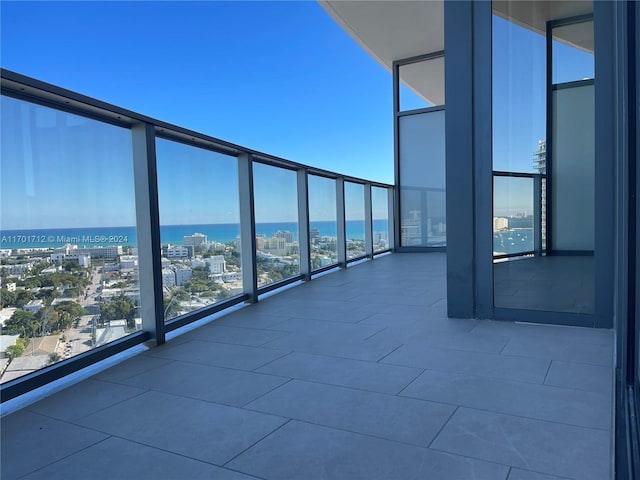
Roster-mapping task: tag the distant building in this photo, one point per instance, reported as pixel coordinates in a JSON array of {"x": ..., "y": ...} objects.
[
  {"x": 287, "y": 235},
  {"x": 11, "y": 287},
  {"x": 52, "y": 269},
  {"x": 178, "y": 251},
  {"x": 128, "y": 262},
  {"x": 540, "y": 157},
  {"x": 314, "y": 235},
  {"x": 6, "y": 314},
  {"x": 411, "y": 228},
  {"x": 34, "y": 306},
  {"x": 168, "y": 277},
  {"x": 500, "y": 223},
  {"x": 195, "y": 240},
  {"x": 97, "y": 252},
  {"x": 5, "y": 342},
  {"x": 5, "y": 252},
  {"x": 216, "y": 264},
  {"x": 182, "y": 275}
]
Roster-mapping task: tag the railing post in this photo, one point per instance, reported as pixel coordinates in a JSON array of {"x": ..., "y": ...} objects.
[
  {"x": 392, "y": 220},
  {"x": 304, "y": 249},
  {"x": 148, "y": 230},
  {"x": 537, "y": 214},
  {"x": 341, "y": 239},
  {"x": 247, "y": 227},
  {"x": 368, "y": 221}
]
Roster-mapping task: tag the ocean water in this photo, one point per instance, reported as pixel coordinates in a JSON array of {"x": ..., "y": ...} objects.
[
  {"x": 515, "y": 240},
  {"x": 173, "y": 234}
]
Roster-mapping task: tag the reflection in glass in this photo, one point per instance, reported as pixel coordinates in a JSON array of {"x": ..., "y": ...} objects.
[
  {"x": 69, "y": 267},
  {"x": 543, "y": 220},
  {"x": 322, "y": 221},
  {"x": 199, "y": 227},
  {"x": 512, "y": 215},
  {"x": 421, "y": 84},
  {"x": 380, "y": 211},
  {"x": 276, "y": 213},
  {"x": 354, "y": 219},
  {"x": 573, "y": 52},
  {"x": 422, "y": 180}
]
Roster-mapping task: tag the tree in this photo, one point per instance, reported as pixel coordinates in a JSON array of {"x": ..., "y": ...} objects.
[
  {"x": 23, "y": 297},
  {"x": 68, "y": 311},
  {"x": 23, "y": 322},
  {"x": 7, "y": 298},
  {"x": 120, "y": 307},
  {"x": 49, "y": 319},
  {"x": 53, "y": 358},
  {"x": 71, "y": 266}
]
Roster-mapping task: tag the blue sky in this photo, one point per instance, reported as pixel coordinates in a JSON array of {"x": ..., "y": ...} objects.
[{"x": 280, "y": 77}]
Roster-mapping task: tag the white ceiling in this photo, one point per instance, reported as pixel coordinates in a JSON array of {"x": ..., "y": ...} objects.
[{"x": 397, "y": 29}]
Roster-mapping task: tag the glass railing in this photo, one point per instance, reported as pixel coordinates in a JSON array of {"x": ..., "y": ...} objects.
[
  {"x": 354, "y": 220},
  {"x": 519, "y": 203},
  {"x": 117, "y": 228}
]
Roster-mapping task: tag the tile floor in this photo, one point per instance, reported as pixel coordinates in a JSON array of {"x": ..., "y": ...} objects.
[{"x": 356, "y": 375}]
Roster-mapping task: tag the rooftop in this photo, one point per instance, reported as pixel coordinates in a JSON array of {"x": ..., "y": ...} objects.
[{"x": 356, "y": 374}]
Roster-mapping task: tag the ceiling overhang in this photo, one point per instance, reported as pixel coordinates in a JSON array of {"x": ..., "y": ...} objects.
[{"x": 392, "y": 30}]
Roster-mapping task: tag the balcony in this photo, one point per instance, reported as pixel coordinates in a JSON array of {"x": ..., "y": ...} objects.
[{"x": 356, "y": 374}]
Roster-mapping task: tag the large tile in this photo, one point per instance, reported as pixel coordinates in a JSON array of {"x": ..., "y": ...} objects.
[
  {"x": 132, "y": 367},
  {"x": 563, "y": 405},
  {"x": 471, "y": 363},
  {"x": 116, "y": 458},
  {"x": 546, "y": 447},
  {"x": 250, "y": 337},
  {"x": 581, "y": 376},
  {"x": 346, "y": 345},
  {"x": 31, "y": 441},
  {"x": 385, "y": 416},
  {"x": 304, "y": 451},
  {"x": 193, "y": 428},
  {"x": 596, "y": 336},
  {"x": 218, "y": 354},
  {"x": 328, "y": 328},
  {"x": 425, "y": 337},
  {"x": 84, "y": 398},
  {"x": 372, "y": 376},
  {"x": 252, "y": 316},
  {"x": 554, "y": 348},
  {"x": 322, "y": 309},
  {"x": 220, "y": 385},
  {"x": 517, "y": 474}
]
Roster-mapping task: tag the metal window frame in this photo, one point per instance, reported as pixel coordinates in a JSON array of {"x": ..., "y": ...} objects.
[
  {"x": 313, "y": 271},
  {"x": 397, "y": 115}
]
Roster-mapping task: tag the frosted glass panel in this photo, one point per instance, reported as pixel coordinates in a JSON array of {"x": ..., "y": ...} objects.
[
  {"x": 422, "y": 180},
  {"x": 573, "y": 169}
]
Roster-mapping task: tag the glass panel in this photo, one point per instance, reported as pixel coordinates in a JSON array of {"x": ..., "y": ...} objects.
[
  {"x": 422, "y": 84},
  {"x": 557, "y": 191},
  {"x": 68, "y": 227},
  {"x": 512, "y": 215},
  {"x": 573, "y": 53},
  {"x": 323, "y": 225},
  {"x": 354, "y": 219},
  {"x": 422, "y": 180},
  {"x": 276, "y": 209},
  {"x": 380, "y": 211},
  {"x": 199, "y": 227}
]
